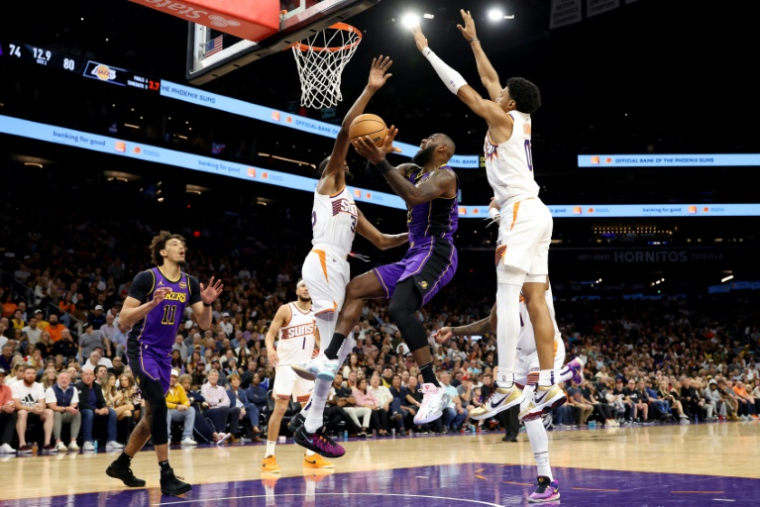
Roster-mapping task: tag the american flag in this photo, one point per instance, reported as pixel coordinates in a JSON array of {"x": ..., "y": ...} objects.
[{"x": 214, "y": 46}]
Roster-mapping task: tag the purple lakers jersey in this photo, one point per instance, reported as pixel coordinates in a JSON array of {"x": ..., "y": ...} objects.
[
  {"x": 159, "y": 327},
  {"x": 437, "y": 218}
]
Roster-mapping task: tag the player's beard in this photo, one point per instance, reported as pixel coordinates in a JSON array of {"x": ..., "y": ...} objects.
[
  {"x": 180, "y": 262},
  {"x": 424, "y": 156},
  {"x": 304, "y": 300}
]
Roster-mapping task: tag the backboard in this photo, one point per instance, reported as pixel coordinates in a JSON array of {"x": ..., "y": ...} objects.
[{"x": 212, "y": 54}]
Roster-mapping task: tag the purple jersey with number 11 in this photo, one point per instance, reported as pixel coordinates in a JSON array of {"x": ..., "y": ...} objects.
[
  {"x": 159, "y": 328},
  {"x": 509, "y": 165}
]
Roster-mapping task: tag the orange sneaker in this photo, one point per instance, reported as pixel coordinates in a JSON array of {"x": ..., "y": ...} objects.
[
  {"x": 316, "y": 461},
  {"x": 269, "y": 464}
]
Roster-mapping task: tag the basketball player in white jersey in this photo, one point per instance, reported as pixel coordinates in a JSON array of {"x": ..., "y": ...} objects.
[
  {"x": 296, "y": 328},
  {"x": 522, "y": 258},
  {"x": 335, "y": 219},
  {"x": 547, "y": 489}
]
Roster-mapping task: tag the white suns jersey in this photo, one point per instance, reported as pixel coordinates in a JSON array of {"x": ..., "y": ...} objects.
[
  {"x": 509, "y": 166},
  {"x": 296, "y": 340},
  {"x": 333, "y": 221},
  {"x": 527, "y": 340}
]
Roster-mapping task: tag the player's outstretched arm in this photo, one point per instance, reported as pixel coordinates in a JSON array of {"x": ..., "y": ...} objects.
[
  {"x": 281, "y": 318},
  {"x": 440, "y": 184},
  {"x": 490, "y": 111},
  {"x": 488, "y": 75},
  {"x": 333, "y": 177},
  {"x": 381, "y": 241},
  {"x": 202, "y": 298}
]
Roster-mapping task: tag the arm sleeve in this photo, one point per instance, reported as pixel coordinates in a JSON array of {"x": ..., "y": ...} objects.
[
  {"x": 451, "y": 78},
  {"x": 195, "y": 290},
  {"x": 142, "y": 286}
]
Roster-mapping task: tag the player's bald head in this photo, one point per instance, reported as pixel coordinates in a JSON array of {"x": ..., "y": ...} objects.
[{"x": 447, "y": 142}]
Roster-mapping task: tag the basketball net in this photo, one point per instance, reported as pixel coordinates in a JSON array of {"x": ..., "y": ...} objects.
[{"x": 320, "y": 60}]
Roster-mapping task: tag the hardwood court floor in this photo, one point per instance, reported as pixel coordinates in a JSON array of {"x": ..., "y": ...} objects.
[{"x": 587, "y": 463}]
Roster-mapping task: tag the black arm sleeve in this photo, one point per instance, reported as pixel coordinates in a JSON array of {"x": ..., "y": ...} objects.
[
  {"x": 142, "y": 286},
  {"x": 195, "y": 290}
]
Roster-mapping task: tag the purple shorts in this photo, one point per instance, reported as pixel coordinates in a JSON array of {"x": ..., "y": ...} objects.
[
  {"x": 431, "y": 263},
  {"x": 150, "y": 364}
]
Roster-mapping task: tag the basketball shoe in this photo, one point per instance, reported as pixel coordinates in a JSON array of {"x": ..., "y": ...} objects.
[
  {"x": 320, "y": 367},
  {"x": 545, "y": 399},
  {"x": 319, "y": 442},
  {"x": 295, "y": 422},
  {"x": 577, "y": 365},
  {"x": 434, "y": 401},
  {"x": 546, "y": 491},
  {"x": 501, "y": 399},
  {"x": 269, "y": 464},
  {"x": 316, "y": 461}
]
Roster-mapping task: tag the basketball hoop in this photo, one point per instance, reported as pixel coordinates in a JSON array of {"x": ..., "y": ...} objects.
[{"x": 321, "y": 59}]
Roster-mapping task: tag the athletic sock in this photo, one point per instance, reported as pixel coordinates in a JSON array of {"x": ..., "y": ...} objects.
[
  {"x": 270, "y": 448},
  {"x": 546, "y": 378},
  {"x": 310, "y": 453},
  {"x": 317, "y": 405},
  {"x": 333, "y": 349},
  {"x": 165, "y": 468},
  {"x": 507, "y": 331},
  {"x": 428, "y": 375},
  {"x": 124, "y": 460},
  {"x": 539, "y": 442}
]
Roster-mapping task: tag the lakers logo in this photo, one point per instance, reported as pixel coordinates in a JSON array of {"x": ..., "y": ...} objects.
[
  {"x": 424, "y": 285},
  {"x": 104, "y": 72},
  {"x": 182, "y": 285}
]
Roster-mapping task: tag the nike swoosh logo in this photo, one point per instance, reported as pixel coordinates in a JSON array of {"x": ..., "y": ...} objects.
[
  {"x": 311, "y": 462},
  {"x": 309, "y": 440},
  {"x": 540, "y": 398},
  {"x": 495, "y": 405}
]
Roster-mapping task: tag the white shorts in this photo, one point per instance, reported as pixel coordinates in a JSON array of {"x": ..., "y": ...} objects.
[
  {"x": 527, "y": 363},
  {"x": 525, "y": 234},
  {"x": 287, "y": 384},
  {"x": 326, "y": 275}
]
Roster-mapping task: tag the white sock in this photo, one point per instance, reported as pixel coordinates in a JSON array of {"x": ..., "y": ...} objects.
[
  {"x": 326, "y": 325},
  {"x": 315, "y": 414},
  {"x": 507, "y": 331},
  {"x": 270, "y": 448},
  {"x": 539, "y": 442},
  {"x": 309, "y": 453},
  {"x": 546, "y": 378}
]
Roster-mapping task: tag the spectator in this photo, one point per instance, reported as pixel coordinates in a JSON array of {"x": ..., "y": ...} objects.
[
  {"x": 62, "y": 398},
  {"x": 108, "y": 329},
  {"x": 177, "y": 362},
  {"x": 7, "y": 416},
  {"x": 344, "y": 398},
  {"x": 130, "y": 394},
  {"x": 49, "y": 378},
  {"x": 115, "y": 398},
  {"x": 454, "y": 415},
  {"x": 45, "y": 345},
  {"x": 179, "y": 409},
  {"x": 179, "y": 344},
  {"x": 199, "y": 376},
  {"x": 747, "y": 402},
  {"x": 364, "y": 398},
  {"x": 247, "y": 377},
  {"x": 390, "y": 407},
  {"x": 93, "y": 407},
  {"x": 66, "y": 346},
  {"x": 29, "y": 400},
  {"x": 239, "y": 399},
  {"x": 32, "y": 331},
  {"x": 18, "y": 321},
  {"x": 90, "y": 340},
  {"x": 118, "y": 366},
  {"x": 96, "y": 359},
  {"x": 7, "y": 357},
  {"x": 96, "y": 317},
  {"x": 256, "y": 394},
  {"x": 119, "y": 340},
  {"x": 219, "y": 411},
  {"x": 202, "y": 425},
  {"x": 54, "y": 328}
]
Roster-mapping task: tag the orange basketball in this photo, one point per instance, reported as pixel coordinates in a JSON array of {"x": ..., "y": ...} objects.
[{"x": 368, "y": 125}]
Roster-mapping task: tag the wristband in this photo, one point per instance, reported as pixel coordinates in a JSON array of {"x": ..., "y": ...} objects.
[
  {"x": 474, "y": 39},
  {"x": 208, "y": 305},
  {"x": 494, "y": 213},
  {"x": 384, "y": 166}
]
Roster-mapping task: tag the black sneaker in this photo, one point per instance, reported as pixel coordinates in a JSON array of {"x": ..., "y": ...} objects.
[
  {"x": 173, "y": 485},
  {"x": 295, "y": 422},
  {"x": 125, "y": 475},
  {"x": 318, "y": 442}
]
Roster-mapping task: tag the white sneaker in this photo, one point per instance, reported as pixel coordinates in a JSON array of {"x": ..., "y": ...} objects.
[
  {"x": 320, "y": 367},
  {"x": 73, "y": 446},
  {"x": 434, "y": 401},
  {"x": 7, "y": 449},
  {"x": 545, "y": 399},
  {"x": 88, "y": 446},
  {"x": 114, "y": 446},
  {"x": 223, "y": 438},
  {"x": 61, "y": 447},
  {"x": 188, "y": 441},
  {"x": 501, "y": 399}
]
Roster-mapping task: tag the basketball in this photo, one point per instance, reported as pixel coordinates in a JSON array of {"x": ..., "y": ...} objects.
[{"x": 368, "y": 125}]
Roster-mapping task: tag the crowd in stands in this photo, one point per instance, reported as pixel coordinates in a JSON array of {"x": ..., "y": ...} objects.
[{"x": 63, "y": 371}]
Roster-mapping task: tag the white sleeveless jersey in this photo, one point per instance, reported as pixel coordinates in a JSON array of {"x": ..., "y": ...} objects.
[
  {"x": 296, "y": 340},
  {"x": 526, "y": 343},
  {"x": 333, "y": 221},
  {"x": 509, "y": 166}
]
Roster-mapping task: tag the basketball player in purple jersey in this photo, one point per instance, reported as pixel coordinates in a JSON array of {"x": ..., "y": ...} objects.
[
  {"x": 155, "y": 321},
  {"x": 429, "y": 187}
]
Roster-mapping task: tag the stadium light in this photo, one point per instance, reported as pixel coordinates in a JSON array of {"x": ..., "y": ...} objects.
[
  {"x": 410, "y": 20},
  {"x": 727, "y": 278},
  {"x": 498, "y": 15}
]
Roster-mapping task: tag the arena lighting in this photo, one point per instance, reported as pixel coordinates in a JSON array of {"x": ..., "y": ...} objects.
[
  {"x": 726, "y": 278},
  {"x": 33, "y": 164},
  {"x": 498, "y": 15},
  {"x": 131, "y": 126},
  {"x": 428, "y": 16},
  {"x": 410, "y": 20}
]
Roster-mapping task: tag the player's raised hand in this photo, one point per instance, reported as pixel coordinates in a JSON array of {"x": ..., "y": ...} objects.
[
  {"x": 419, "y": 37},
  {"x": 212, "y": 291},
  {"x": 367, "y": 148},
  {"x": 378, "y": 75},
  {"x": 444, "y": 334},
  {"x": 468, "y": 30},
  {"x": 388, "y": 146},
  {"x": 160, "y": 295}
]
